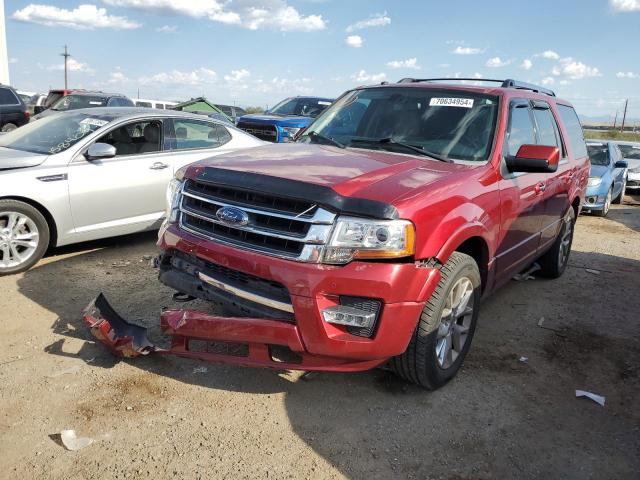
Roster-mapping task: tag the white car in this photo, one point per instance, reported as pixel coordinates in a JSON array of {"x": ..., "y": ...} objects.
[
  {"x": 96, "y": 173},
  {"x": 631, "y": 153}
]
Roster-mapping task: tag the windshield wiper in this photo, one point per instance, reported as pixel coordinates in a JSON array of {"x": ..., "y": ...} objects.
[
  {"x": 319, "y": 136},
  {"x": 408, "y": 146}
]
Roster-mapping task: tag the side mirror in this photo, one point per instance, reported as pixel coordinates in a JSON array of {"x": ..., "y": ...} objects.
[
  {"x": 534, "y": 159},
  {"x": 38, "y": 109},
  {"x": 99, "y": 151},
  {"x": 621, "y": 164}
]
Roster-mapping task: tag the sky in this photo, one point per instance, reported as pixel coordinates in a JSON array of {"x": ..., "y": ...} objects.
[{"x": 257, "y": 52}]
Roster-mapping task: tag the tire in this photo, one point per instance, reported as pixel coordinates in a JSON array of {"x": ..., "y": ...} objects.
[
  {"x": 420, "y": 363},
  {"x": 620, "y": 197},
  {"x": 554, "y": 262},
  {"x": 29, "y": 237},
  {"x": 8, "y": 127},
  {"x": 607, "y": 205}
]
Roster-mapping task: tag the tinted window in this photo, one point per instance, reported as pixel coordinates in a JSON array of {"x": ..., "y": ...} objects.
[
  {"x": 574, "y": 130},
  {"x": 73, "y": 102},
  {"x": 629, "y": 151},
  {"x": 547, "y": 128},
  {"x": 227, "y": 110},
  {"x": 598, "y": 154},
  {"x": 134, "y": 138},
  {"x": 7, "y": 97},
  {"x": 122, "y": 102},
  {"x": 307, "y": 107},
  {"x": 520, "y": 130},
  {"x": 142, "y": 104},
  {"x": 192, "y": 134}
]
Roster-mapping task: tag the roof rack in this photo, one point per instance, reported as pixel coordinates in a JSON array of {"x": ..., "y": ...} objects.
[{"x": 508, "y": 83}]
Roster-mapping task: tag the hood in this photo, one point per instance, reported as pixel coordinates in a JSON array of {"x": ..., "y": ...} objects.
[
  {"x": 374, "y": 175},
  {"x": 289, "y": 121},
  {"x": 598, "y": 170},
  {"x": 10, "y": 159},
  {"x": 633, "y": 163}
]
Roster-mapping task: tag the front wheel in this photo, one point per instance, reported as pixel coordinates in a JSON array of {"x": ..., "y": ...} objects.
[
  {"x": 620, "y": 197},
  {"x": 606, "y": 206},
  {"x": 446, "y": 326},
  {"x": 24, "y": 236}
]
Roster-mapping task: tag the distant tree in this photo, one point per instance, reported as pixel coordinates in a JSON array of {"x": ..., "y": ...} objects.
[{"x": 254, "y": 110}]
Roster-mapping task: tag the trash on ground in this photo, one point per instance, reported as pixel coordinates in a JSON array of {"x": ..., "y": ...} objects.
[
  {"x": 200, "y": 370},
  {"x": 527, "y": 274},
  {"x": 121, "y": 264},
  {"x": 523, "y": 359},
  {"x": 66, "y": 371},
  {"x": 73, "y": 442},
  {"x": 592, "y": 271},
  {"x": 593, "y": 396}
]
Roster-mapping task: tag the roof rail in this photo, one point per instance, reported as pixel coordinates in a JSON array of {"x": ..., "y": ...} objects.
[{"x": 508, "y": 83}]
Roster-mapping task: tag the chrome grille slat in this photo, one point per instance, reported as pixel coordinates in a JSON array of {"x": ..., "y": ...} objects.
[{"x": 283, "y": 234}]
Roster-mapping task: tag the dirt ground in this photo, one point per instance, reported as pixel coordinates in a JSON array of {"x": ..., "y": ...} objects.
[{"x": 160, "y": 417}]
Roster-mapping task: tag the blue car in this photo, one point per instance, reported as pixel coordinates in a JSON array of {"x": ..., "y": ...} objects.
[
  {"x": 607, "y": 178},
  {"x": 281, "y": 123}
]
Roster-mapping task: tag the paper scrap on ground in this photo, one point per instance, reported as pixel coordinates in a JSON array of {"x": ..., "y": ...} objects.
[
  {"x": 72, "y": 442},
  {"x": 67, "y": 371},
  {"x": 593, "y": 396},
  {"x": 594, "y": 272}
]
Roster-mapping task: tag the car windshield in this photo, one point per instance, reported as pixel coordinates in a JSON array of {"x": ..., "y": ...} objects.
[
  {"x": 53, "y": 134},
  {"x": 630, "y": 151},
  {"x": 306, "y": 107},
  {"x": 598, "y": 154},
  {"x": 451, "y": 124},
  {"x": 74, "y": 102}
]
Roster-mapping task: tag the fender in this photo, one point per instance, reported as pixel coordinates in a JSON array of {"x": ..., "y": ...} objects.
[{"x": 464, "y": 233}]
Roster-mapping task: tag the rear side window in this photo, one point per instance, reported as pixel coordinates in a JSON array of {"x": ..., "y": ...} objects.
[
  {"x": 547, "y": 128},
  {"x": 521, "y": 130},
  {"x": 7, "y": 97},
  {"x": 574, "y": 130},
  {"x": 192, "y": 134}
]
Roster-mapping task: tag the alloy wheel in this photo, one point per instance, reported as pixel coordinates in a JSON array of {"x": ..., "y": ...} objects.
[
  {"x": 607, "y": 203},
  {"x": 455, "y": 323},
  {"x": 19, "y": 239},
  {"x": 565, "y": 241}
]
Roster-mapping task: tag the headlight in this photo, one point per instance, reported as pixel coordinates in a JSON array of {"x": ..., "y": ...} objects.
[
  {"x": 358, "y": 238},
  {"x": 289, "y": 133},
  {"x": 594, "y": 181},
  {"x": 173, "y": 200}
]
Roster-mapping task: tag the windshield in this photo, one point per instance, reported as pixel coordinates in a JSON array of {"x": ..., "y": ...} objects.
[
  {"x": 306, "y": 107},
  {"x": 53, "y": 134},
  {"x": 598, "y": 154},
  {"x": 74, "y": 102},
  {"x": 630, "y": 152},
  {"x": 451, "y": 124}
]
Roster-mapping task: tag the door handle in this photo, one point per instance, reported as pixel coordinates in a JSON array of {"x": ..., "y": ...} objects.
[
  {"x": 159, "y": 166},
  {"x": 540, "y": 187}
]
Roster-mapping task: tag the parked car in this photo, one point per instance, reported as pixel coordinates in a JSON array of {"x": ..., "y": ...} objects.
[
  {"x": 607, "y": 177},
  {"x": 161, "y": 104},
  {"x": 373, "y": 238},
  {"x": 85, "y": 99},
  {"x": 53, "y": 96},
  {"x": 631, "y": 154},
  {"x": 202, "y": 106},
  {"x": 95, "y": 173},
  {"x": 13, "y": 111},
  {"x": 283, "y": 122},
  {"x": 233, "y": 112}
]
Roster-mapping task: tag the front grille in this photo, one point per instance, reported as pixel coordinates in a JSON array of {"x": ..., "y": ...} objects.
[
  {"x": 274, "y": 225},
  {"x": 263, "y": 132}
]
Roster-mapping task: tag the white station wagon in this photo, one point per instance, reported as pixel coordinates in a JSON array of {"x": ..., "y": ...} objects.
[{"x": 95, "y": 173}]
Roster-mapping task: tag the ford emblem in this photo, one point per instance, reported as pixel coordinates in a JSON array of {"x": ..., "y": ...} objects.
[{"x": 232, "y": 216}]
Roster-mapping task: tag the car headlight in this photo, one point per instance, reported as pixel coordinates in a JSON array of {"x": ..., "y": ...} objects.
[
  {"x": 594, "y": 181},
  {"x": 173, "y": 200},
  {"x": 358, "y": 238},
  {"x": 289, "y": 133}
]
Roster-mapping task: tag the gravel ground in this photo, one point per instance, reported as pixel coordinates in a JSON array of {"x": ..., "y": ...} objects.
[{"x": 161, "y": 417}]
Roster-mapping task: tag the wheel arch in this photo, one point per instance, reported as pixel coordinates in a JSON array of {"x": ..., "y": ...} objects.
[{"x": 53, "y": 228}]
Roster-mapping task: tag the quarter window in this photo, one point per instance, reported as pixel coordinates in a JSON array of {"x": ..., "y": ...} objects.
[
  {"x": 521, "y": 130},
  {"x": 574, "y": 130},
  {"x": 192, "y": 134}
]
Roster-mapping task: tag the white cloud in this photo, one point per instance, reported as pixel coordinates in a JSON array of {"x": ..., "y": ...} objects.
[
  {"x": 526, "y": 64},
  {"x": 625, "y": 5},
  {"x": 167, "y": 29},
  {"x": 377, "y": 20},
  {"x": 363, "y": 77},
  {"x": 497, "y": 62},
  {"x": 237, "y": 76},
  {"x": 575, "y": 70},
  {"x": 354, "y": 41},
  {"x": 460, "y": 50},
  {"x": 627, "y": 75},
  {"x": 251, "y": 14},
  {"x": 84, "y": 17},
  {"x": 117, "y": 77},
  {"x": 548, "y": 81},
  {"x": 409, "y": 63},
  {"x": 301, "y": 86},
  {"x": 549, "y": 55},
  {"x": 199, "y": 76},
  {"x": 73, "y": 66}
]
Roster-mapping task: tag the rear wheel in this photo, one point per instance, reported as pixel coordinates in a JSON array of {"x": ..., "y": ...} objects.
[
  {"x": 446, "y": 326},
  {"x": 555, "y": 261},
  {"x": 607, "y": 205},
  {"x": 7, "y": 127},
  {"x": 620, "y": 197},
  {"x": 24, "y": 236}
]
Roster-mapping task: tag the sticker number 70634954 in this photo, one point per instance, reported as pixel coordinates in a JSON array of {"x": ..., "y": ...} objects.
[{"x": 451, "y": 102}]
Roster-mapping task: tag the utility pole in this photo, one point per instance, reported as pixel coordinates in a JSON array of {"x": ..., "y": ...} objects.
[
  {"x": 66, "y": 56},
  {"x": 624, "y": 115}
]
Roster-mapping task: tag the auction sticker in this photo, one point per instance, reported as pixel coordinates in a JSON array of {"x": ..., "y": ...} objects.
[{"x": 451, "y": 102}]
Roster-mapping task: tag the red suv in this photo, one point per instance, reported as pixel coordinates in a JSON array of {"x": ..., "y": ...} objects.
[{"x": 375, "y": 236}]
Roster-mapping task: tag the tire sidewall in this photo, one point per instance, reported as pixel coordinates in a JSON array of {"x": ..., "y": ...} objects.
[{"x": 43, "y": 233}]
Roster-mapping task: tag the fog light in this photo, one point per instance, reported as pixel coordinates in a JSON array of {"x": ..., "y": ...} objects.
[{"x": 352, "y": 317}]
